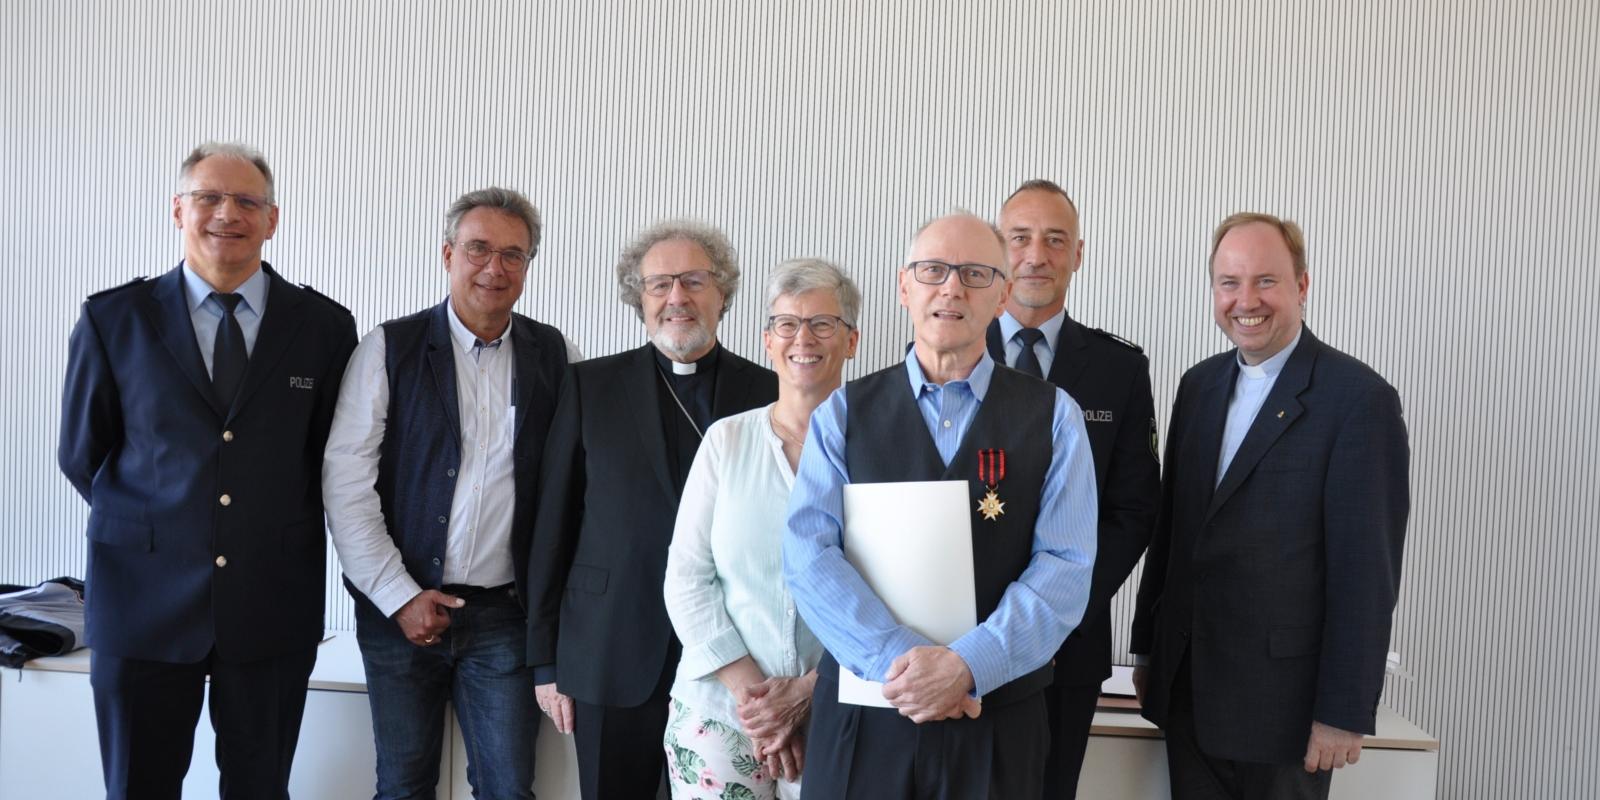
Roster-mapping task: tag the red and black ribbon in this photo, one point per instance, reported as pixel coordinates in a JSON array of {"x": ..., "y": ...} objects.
[{"x": 992, "y": 466}]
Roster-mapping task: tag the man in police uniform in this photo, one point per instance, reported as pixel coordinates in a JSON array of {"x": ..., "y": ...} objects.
[
  {"x": 195, "y": 412},
  {"x": 1110, "y": 378}
]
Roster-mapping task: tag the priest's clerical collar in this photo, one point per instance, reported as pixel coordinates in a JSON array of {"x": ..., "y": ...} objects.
[
  {"x": 705, "y": 362},
  {"x": 1270, "y": 367}
]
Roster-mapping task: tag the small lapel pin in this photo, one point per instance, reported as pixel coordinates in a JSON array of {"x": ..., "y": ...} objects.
[{"x": 1280, "y": 415}]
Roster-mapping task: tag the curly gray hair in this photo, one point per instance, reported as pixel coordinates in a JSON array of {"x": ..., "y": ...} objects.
[{"x": 724, "y": 259}]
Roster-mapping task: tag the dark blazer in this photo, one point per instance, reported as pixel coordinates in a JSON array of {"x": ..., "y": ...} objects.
[
  {"x": 174, "y": 569},
  {"x": 607, "y": 506},
  {"x": 1110, "y": 380},
  {"x": 1278, "y": 584}
]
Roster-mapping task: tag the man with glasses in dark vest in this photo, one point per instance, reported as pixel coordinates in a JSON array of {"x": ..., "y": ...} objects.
[
  {"x": 968, "y": 719},
  {"x": 193, "y": 420},
  {"x": 430, "y": 481},
  {"x": 626, "y": 431},
  {"x": 1110, "y": 379}
]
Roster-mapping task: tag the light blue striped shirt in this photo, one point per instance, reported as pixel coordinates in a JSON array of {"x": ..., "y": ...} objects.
[
  {"x": 206, "y": 313},
  {"x": 1250, "y": 390},
  {"x": 1038, "y": 609}
]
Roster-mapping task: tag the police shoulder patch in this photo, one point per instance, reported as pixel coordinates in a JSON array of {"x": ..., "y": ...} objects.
[
  {"x": 1118, "y": 339},
  {"x": 115, "y": 289},
  {"x": 323, "y": 297}
]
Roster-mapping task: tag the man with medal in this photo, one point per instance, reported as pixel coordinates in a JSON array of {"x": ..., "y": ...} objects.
[
  {"x": 625, "y": 433},
  {"x": 967, "y": 719}
]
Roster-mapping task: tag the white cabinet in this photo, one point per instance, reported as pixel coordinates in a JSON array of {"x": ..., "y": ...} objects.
[{"x": 49, "y": 747}]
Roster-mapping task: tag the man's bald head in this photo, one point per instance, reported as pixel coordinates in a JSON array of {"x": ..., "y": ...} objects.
[
  {"x": 962, "y": 230},
  {"x": 953, "y": 284}
]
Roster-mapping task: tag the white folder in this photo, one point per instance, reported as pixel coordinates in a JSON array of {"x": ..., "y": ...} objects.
[{"x": 912, "y": 543}]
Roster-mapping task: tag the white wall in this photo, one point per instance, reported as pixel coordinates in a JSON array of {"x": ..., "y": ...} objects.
[{"x": 1441, "y": 156}]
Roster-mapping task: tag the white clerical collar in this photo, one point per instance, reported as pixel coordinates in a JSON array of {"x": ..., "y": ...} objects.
[
  {"x": 680, "y": 368},
  {"x": 1272, "y": 366}
]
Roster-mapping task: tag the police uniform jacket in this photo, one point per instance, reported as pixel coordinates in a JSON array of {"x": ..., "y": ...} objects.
[{"x": 205, "y": 522}]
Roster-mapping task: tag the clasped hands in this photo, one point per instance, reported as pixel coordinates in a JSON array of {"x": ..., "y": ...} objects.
[
  {"x": 773, "y": 714},
  {"x": 931, "y": 683}
]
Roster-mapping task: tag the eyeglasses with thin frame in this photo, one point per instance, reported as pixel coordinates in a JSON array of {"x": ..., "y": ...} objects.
[
  {"x": 972, "y": 276},
  {"x": 479, "y": 253},
  {"x": 209, "y": 199},
  {"x": 694, "y": 281},
  {"x": 823, "y": 326}
]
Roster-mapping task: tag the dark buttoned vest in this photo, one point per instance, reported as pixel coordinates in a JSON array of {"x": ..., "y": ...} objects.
[
  {"x": 887, "y": 441},
  {"x": 421, "y": 451}
]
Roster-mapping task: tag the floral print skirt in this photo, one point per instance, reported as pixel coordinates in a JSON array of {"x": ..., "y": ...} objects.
[{"x": 708, "y": 759}]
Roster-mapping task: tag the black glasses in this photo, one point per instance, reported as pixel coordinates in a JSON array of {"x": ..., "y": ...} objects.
[
  {"x": 973, "y": 276},
  {"x": 694, "y": 281},
  {"x": 209, "y": 199},
  {"x": 511, "y": 259},
  {"x": 823, "y": 326}
]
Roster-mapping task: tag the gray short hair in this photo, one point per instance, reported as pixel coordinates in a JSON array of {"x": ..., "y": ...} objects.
[
  {"x": 801, "y": 275},
  {"x": 234, "y": 150},
  {"x": 1041, "y": 185},
  {"x": 510, "y": 201},
  {"x": 951, "y": 214},
  {"x": 724, "y": 259}
]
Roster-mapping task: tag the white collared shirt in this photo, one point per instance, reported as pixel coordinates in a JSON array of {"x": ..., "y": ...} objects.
[{"x": 1044, "y": 350}]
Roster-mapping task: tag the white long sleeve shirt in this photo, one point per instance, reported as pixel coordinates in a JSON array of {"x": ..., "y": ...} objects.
[{"x": 724, "y": 586}]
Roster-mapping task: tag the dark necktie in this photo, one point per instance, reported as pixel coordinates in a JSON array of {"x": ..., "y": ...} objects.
[
  {"x": 1027, "y": 360},
  {"x": 228, "y": 355}
]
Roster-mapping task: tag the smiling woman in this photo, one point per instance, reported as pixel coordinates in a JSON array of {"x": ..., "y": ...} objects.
[{"x": 749, "y": 661}]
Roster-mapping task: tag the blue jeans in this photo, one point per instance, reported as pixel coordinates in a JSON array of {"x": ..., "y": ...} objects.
[{"x": 479, "y": 664}]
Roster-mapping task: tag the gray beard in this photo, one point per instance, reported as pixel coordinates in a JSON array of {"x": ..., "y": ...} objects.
[{"x": 681, "y": 348}]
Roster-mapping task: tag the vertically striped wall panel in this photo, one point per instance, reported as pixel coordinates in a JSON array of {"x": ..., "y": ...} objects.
[{"x": 1441, "y": 156}]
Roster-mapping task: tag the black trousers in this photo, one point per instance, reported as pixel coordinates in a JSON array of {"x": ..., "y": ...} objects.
[
  {"x": 1071, "y": 709},
  {"x": 1198, "y": 776},
  {"x": 876, "y": 754},
  {"x": 620, "y": 755},
  {"x": 147, "y": 710}
]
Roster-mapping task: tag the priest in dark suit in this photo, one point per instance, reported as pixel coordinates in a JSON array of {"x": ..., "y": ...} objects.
[
  {"x": 1265, "y": 606},
  {"x": 625, "y": 432}
]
